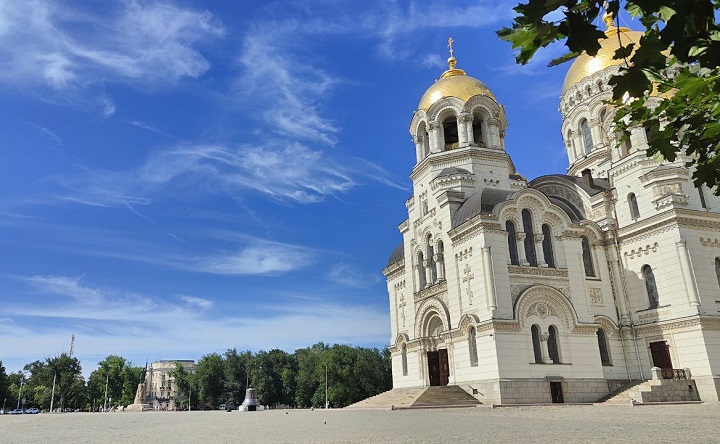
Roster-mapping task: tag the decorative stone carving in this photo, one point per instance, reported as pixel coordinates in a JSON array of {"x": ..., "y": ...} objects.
[
  {"x": 463, "y": 255},
  {"x": 541, "y": 309},
  {"x": 642, "y": 251},
  {"x": 596, "y": 297},
  {"x": 664, "y": 190},
  {"x": 467, "y": 277},
  {"x": 708, "y": 242}
]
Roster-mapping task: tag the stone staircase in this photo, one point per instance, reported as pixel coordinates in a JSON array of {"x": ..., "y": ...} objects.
[
  {"x": 622, "y": 394},
  {"x": 418, "y": 397},
  {"x": 445, "y": 396}
]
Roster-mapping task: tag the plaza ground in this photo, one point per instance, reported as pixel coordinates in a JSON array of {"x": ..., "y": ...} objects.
[{"x": 586, "y": 424}]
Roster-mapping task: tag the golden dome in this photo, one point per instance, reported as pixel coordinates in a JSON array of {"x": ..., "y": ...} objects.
[
  {"x": 453, "y": 83},
  {"x": 585, "y": 65}
]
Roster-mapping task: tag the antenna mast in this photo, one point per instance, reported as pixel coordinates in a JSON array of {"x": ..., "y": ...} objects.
[{"x": 72, "y": 345}]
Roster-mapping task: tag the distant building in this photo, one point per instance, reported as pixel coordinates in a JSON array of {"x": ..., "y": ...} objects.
[
  {"x": 160, "y": 390},
  {"x": 558, "y": 289}
]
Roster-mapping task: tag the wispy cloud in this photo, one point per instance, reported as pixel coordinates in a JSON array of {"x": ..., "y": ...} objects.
[
  {"x": 260, "y": 259},
  {"x": 348, "y": 275},
  {"x": 193, "y": 301},
  {"x": 117, "y": 321},
  {"x": 71, "y": 51}
]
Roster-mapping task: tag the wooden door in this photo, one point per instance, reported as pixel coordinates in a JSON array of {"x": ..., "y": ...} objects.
[
  {"x": 660, "y": 352},
  {"x": 433, "y": 367},
  {"x": 444, "y": 366},
  {"x": 556, "y": 392}
]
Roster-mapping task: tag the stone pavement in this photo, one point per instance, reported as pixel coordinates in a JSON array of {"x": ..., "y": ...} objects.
[{"x": 688, "y": 423}]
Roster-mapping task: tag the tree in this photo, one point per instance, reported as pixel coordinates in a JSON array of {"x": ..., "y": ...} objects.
[
  {"x": 210, "y": 379},
  {"x": 185, "y": 387},
  {"x": 122, "y": 380},
  {"x": 678, "y": 58},
  {"x": 4, "y": 383},
  {"x": 66, "y": 372}
]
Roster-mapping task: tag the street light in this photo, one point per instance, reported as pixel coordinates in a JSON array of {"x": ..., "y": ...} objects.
[{"x": 22, "y": 383}]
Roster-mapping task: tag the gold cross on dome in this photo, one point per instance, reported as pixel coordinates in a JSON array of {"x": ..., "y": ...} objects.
[{"x": 450, "y": 42}]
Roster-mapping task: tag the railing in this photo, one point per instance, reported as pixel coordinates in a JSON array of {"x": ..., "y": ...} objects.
[{"x": 673, "y": 373}]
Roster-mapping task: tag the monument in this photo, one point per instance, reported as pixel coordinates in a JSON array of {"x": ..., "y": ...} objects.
[{"x": 140, "y": 403}]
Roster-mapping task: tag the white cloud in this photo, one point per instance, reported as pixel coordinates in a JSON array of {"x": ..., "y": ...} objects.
[
  {"x": 141, "y": 326},
  {"x": 260, "y": 259},
  {"x": 193, "y": 301},
  {"x": 349, "y": 275},
  {"x": 55, "y": 45}
]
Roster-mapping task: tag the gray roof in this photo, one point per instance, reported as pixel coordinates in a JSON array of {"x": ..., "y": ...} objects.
[
  {"x": 481, "y": 202},
  {"x": 398, "y": 254},
  {"x": 575, "y": 214},
  {"x": 600, "y": 184}
]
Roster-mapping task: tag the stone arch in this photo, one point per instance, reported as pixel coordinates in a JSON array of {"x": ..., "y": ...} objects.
[
  {"x": 466, "y": 321},
  {"x": 401, "y": 338},
  {"x": 544, "y": 302},
  {"x": 607, "y": 324},
  {"x": 419, "y": 116},
  {"x": 429, "y": 308},
  {"x": 443, "y": 107}
]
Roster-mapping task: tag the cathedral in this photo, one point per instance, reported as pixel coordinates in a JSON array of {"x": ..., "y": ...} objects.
[{"x": 565, "y": 288}]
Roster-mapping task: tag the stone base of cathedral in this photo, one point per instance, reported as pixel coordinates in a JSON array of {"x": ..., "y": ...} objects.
[{"x": 538, "y": 390}]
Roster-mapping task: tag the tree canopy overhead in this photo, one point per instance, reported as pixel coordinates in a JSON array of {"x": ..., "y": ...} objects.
[{"x": 678, "y": 57}]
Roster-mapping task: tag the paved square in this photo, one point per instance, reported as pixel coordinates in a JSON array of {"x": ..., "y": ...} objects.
[{"x": 567, "y": 424}]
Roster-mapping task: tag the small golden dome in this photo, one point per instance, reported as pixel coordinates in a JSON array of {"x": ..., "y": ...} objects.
[
  {"x": 585, "y": 65},
  {"x": 453, "y": 83}
]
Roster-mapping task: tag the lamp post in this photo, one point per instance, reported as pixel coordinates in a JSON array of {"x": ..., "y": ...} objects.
[{"x": 22, "y": 382}]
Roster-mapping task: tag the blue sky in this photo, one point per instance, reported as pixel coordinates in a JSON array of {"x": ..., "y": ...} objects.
[{"x": 182, "y": 177}]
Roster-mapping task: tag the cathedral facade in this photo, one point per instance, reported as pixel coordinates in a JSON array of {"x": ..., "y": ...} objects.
[{"x": 559, "y": 289}]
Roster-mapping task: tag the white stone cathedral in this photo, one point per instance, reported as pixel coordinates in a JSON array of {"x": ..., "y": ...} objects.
[{"x": 563, "y": 288}]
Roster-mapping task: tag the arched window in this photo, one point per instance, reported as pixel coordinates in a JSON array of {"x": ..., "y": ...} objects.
[
  {"x": 529, "y": 238},
  {"x": 586, "y": 136},
  {"x": 535, "y": 330},
  {"x": 472, "y": 346},
  {"x": 599, "y": 85},
  {"x": 477, "y": 128},
  {"x": 431, "y": 260},
  {"x": 587, "y": 257},
  {"x": 547, "y": 246},
  {"x": 603, "y": 347},
  {"x": 650, "y": 286},
  {"x": 512, "y": 243},
  {"x": 632, "y": 203},
  {"x": 603, "y": 114},
  {"x": 404, "y": 360},
  {"x": 588, "y": 90},
  {"x": 553, "y": 348},
  {"x": 717, "y": 270},
  {"x": 421, "y": 270},
  {"x": 424, "y": 140},
  {"x": 450, "y": 130}
]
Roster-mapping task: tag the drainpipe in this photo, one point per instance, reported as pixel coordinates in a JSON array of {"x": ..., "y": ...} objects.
[
  {"x": 611, "y": 273},
  {"x": 623, "y": 283}
]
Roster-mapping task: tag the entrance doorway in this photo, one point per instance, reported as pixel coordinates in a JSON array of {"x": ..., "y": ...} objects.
[
  {"x": 556, "y": 392},
  {"x": 660, "y": 352},
  {"x": 438, "y": 367}
]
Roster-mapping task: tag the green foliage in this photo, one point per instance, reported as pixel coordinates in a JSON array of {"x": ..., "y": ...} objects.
[
  {"x": 4, "y": 384},
  {"x": 122, "y": 380},
  {"x": 69, "y": 384},
  {"x": 678, "y": 57},
  {"x": 210, "y": 379}
]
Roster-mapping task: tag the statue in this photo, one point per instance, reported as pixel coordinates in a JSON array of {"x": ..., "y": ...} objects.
[{"x": 140, "y": 404}]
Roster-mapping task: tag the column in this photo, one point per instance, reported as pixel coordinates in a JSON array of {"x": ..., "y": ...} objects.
[
  {"x": 539, "y": 253},
  {"x": 489, "y": 284},
  {"x": 428, "y": 273},
  {"x": 493, "y": 134},
  {"x": 462, "y": 128},
  {"x": 520, "y": 238},
  {"x": 436, "y": 145},
  {"x": 544, "y": 347},
  {"x": 418, "y": 148},
  {"x": 440, "y": 266},
  {"x": 596, "y": 133},
  {"x": 687, "y": 272}
]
